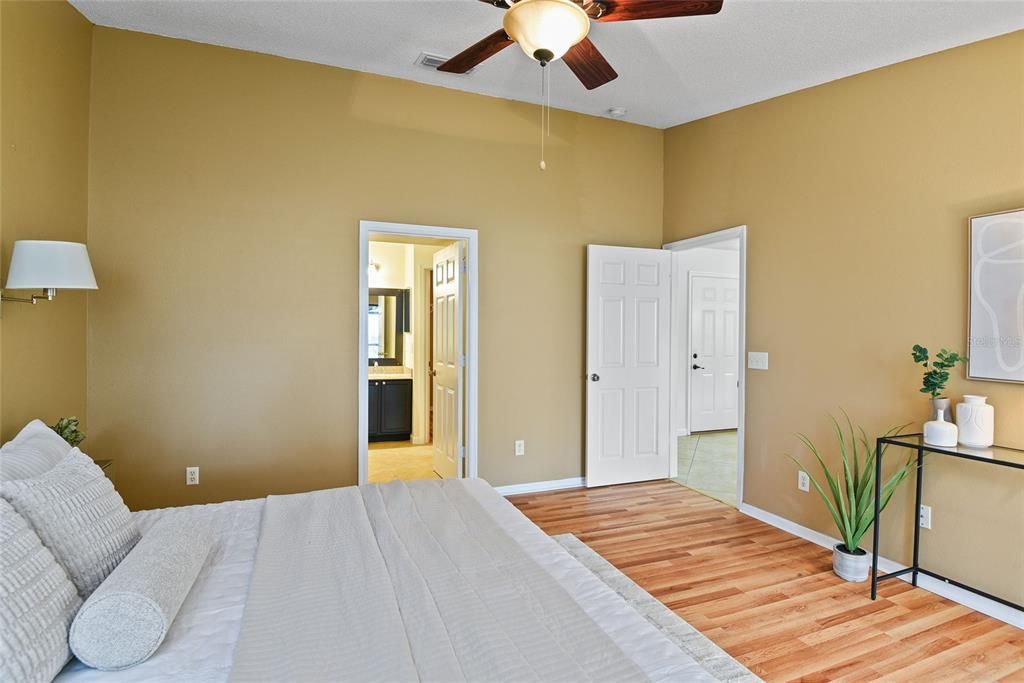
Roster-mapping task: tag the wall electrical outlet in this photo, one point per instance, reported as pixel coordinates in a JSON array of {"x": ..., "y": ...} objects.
[
  {"x": 803, "y": 482},
  {"x": 520, "y": 447},
  {"x": 191, "y": 476},
  {"x": 924, "y": 517}
]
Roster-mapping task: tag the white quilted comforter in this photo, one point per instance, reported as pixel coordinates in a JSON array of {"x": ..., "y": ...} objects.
[
  {"x": 439, "y": 581},
  {"x": 425, "y": 581}
]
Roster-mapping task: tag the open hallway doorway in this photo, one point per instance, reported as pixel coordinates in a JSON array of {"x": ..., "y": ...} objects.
[
  {"x": 418, "y": 352},
  {"x": 708, "y": 351}
]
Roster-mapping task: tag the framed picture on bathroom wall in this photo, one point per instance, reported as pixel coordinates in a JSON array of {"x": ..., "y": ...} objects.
[{"x": 995, "y": 341}]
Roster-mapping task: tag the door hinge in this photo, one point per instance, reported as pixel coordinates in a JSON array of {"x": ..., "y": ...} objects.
[{"x": 465, "y": 268}]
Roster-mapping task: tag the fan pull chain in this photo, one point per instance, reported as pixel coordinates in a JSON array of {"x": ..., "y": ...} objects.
[
  {"x": 545, "y": 113},
  {"x": 547, "y": 98}
]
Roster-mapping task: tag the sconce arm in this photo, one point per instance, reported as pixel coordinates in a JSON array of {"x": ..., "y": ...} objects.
[{"x": 47, "y": 295}]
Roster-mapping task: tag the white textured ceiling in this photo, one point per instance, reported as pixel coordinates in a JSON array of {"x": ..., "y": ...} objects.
[{"x": 670, "y": 70}]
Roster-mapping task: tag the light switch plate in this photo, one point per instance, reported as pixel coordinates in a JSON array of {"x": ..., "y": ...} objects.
[{"x": 757, "y": 360}]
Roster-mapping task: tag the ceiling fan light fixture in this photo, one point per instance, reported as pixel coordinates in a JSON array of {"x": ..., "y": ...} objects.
[{"x": 546, "y": 29}]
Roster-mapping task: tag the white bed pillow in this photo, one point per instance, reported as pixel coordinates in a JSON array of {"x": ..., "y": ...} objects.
[
  {"x": 124, "y": 621},
  {"x": 78, "y": 516},
  {"x": 35, "y": 450},
  {"x": 37, "y": 604}
]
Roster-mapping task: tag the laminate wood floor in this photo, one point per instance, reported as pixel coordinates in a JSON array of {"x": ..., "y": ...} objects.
[{"x": 770, "y": 599}]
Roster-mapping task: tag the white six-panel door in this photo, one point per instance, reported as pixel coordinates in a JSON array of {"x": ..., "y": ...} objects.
[
  {"x": 628, "y": 378},
  {"x": 714, "y": 352},
  {"x": 448, "y": 395}
]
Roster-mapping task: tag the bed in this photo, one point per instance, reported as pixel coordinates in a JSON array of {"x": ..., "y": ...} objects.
[{"x": 441, "y": 580}]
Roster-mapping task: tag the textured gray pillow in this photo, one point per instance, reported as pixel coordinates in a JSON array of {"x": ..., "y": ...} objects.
[
  {"x": 78, "y": 516},
  {"x": 124, "y": 621},
  {"x": 37, "y": 604},
  {"x": 35, "y": 449}
]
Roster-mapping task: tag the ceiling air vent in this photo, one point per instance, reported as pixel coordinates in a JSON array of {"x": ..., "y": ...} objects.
[{"x": 429, "y": 61}]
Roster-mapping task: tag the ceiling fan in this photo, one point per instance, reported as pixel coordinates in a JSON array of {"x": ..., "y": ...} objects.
[{"x": 547, "y": 30}]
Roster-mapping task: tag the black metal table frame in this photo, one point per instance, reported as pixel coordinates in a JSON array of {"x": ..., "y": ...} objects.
[{"x": 916, "y": 567}]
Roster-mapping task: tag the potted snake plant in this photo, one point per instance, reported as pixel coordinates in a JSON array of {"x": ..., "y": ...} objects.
[{"x": 850, "y": 498}]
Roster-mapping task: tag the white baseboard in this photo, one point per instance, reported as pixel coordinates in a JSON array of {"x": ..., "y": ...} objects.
[
  {"x": 966, "y": 598},
  {"x": 538, "y": 486}
]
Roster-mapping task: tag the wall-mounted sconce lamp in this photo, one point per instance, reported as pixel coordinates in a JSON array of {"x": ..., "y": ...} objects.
[{"x": 49, "y": 266}]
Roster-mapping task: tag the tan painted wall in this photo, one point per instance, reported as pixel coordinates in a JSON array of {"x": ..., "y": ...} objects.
[
  {"x": 225, "y": 193},
  {"x": 44, "y": 81},
  {"x": 856, "y": 195}
]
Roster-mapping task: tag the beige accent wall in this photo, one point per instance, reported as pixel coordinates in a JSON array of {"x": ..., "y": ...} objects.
[
  {"x": 856, "y": 195},
  {"x": 44, "y": 115},
  {"x": 226, "y": 190}
]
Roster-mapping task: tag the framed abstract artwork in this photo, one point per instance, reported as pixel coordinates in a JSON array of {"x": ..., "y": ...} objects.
[{"x": 995, "y": 342}]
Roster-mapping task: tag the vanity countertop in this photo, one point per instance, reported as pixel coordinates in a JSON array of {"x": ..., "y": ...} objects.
[{"x": 390, "y": 375}]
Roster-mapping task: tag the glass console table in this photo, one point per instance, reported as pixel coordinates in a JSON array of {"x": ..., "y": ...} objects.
[{"x": 1000, "y": 456}]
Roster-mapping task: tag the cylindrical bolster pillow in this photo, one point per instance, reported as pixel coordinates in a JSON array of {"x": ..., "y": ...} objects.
[{"x": 124, "y": 621}]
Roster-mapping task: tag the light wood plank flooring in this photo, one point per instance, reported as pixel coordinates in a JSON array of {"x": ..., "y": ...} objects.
[{"x": 769, "y": 598}]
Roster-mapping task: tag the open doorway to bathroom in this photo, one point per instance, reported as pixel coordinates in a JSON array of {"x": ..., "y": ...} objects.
[
  {"x": 417, "y": 393},
  {"x": 708, "y": 313}
]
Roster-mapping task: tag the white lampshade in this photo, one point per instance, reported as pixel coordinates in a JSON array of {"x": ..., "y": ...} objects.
[
  {"x": 41, "y": 264},
  {"x": 541, "y": 26}
]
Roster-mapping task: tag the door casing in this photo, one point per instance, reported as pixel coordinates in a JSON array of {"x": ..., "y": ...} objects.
[
  {"x": 471, "y": 347},
  {"x": 738, "y": 232}
]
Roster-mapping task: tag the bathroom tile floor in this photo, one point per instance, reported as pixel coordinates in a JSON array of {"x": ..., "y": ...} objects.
[
  {"x": 707, "y": 463},
  {"x": 390, "y": 460}
]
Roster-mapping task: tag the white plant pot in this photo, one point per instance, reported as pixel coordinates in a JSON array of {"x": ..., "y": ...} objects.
[{"x": 849, "y": 566}]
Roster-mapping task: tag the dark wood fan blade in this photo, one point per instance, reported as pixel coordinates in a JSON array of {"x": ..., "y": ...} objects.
[
  {"x": 631, "y": 10},
  {"x": 500, "y": 4},
  {"x": 589, "y": 65},
  {"x": 473, "y": 55}
]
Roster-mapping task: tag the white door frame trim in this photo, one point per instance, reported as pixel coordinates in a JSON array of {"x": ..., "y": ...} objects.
[
  {"x": 471, "y": 238},
  {"x": 740, "y": 232}
]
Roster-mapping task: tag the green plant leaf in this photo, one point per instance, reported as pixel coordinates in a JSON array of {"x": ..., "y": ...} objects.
[
  {"x": 851, "y": 496},
  {"x": 842, "y": 519}
]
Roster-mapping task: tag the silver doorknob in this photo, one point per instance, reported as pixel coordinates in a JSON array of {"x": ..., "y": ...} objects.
[{"x": 595, "y": 377}]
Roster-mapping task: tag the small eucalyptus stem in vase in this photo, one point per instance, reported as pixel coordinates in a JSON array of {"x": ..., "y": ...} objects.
[{"x": 936, "y": 372}]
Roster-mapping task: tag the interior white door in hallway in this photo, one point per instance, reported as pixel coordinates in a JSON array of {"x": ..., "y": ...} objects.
[
  {"x": 628, "y": 377},
  {"x": 714, "y": 352},
  {"x": 448, "y": 361}
]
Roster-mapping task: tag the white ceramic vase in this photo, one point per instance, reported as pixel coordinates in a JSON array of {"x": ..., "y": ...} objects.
[
  {"x": 976, "y": 420},
  {"x": 849, "y": 566},
  {"x": 938, "y": 432}
]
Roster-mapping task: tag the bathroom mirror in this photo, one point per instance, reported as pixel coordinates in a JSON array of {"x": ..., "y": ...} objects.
[{"x": 387, "y": 320}]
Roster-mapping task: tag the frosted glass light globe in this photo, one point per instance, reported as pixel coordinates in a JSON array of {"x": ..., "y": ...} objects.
[{"x": 546, "y": 29}]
